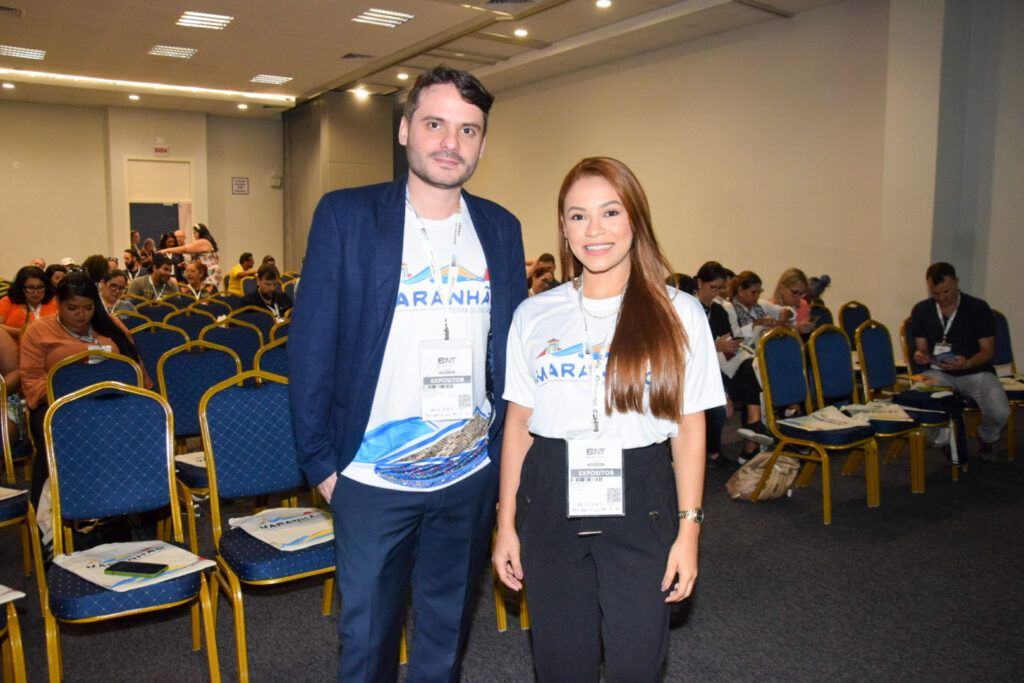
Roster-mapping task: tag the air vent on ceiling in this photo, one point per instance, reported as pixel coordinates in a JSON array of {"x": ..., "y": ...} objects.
[
  {"x": 356, "y": 55},
  {"x": 10, "y": 12}
]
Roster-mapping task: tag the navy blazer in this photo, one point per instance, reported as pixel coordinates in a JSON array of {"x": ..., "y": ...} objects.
[{"x": 343, "y": 315}]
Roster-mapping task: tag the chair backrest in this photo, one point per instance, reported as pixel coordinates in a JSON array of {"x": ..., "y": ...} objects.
[
  {"x": 134, "y": 298},
  {"x": 154, "y": 340},
  {"x": 212, "y": 305},
  {"x": 907, "y": 346},
  {"x": 851, "y": 315},
  {"x": 780, "y": 355},
  {"x": 822, "y": 314},
  {"x": 248, "y": 438},
  {"x": 5, "y": 435},
  {"x": 87, "y": 368},
  {"x": 186, "y": 372},
  {"x": 280, "y": 330},
  {"x": 831, "y": 365},
  {"x": 258, "y": 316},
  {"x": 155, "y": 310},
  {"x": 179, "y": 301},
  {"x": 132, "y": 319},
  {"x": 109, "y": 451},
  {"x": 190, "y": 320},
  {"x": 273, "y": 358},
  {"x": 243, "y": 338},
  {"x": 1004, "y": 346},
  {"x": 874, "y": 350},
  {"x": 232, "y": 300},
  {"x": 289, "y": 288},
  {"x": 248, "y": 284}
]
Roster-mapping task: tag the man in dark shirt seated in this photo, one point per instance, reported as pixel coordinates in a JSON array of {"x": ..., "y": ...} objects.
[
  {"x": 954, "y": 334},
  {"x": 268, "y": 292}
]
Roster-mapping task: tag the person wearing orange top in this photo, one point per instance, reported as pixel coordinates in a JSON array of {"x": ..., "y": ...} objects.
[{"x": 30, "y": 298}]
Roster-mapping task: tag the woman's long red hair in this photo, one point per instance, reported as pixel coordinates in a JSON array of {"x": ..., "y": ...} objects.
[{"x": 649, "y": 337}]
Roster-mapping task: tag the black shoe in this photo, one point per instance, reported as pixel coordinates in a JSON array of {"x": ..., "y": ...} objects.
[
  {"x": 721, "y": 462},
  {"x": 985, "y": 453}
]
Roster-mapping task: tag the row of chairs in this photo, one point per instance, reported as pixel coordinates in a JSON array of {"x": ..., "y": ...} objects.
[{"x": 192, "y": 317}]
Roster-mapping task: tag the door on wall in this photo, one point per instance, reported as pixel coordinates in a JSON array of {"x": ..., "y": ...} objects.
[
  {"x": 159, "y": 193},
  {"x": 152, "y": 220}
]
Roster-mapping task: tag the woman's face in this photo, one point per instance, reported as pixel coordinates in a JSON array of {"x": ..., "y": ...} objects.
[
  {"x": 195, "y": 233},
  {"x": 148, "y": 245},
  {"x": 35, "y": 290},
  {"x": 750, "y": 295},
  {"x": 172, "y": 241},
  {"x": 56, "y": 277},
  {"x": 707, "y": 291},
  {"x": 598, "y": 228},
  {"x": 193, "y": 275},
  {"x": 76, "y": 313},
  {"x": 792, "y": 293},
  {"x": 112, "y": 289}
]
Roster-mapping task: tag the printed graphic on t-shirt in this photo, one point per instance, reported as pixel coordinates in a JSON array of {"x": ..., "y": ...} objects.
[{"x": 557, "y": 364}]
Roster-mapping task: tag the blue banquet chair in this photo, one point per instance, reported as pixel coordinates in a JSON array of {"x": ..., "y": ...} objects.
[
  {"x": 191, "y": 320},
  {"x": 273, "y": 358},
  {"x": 13, "y": 655},
  {"x": 132, "y": 319},
  {"x": 243, "y": 338},
  {"x": 90, "y": 367},
  {"x": 156, "y": 310},
  {"x": 262, "y": 318},
  {"x": 154, "y": 340}
]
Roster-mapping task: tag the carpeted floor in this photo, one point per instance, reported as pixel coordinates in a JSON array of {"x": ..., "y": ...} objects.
[{"x": 926, "y": 587}]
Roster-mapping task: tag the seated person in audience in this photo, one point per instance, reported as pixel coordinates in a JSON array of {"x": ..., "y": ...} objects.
[
  {"x": 269, "y": 259},
  {"x": 38, "y": 262},
  {"x": 29, "y": 298},
  {"x": 268, "y": 292},
  {"x": 749, "y": 317},
  {"x": 711, "y": 280},
  {"x": 195, "y": 284},
  {"x": 167, "y": 241},
  {"x": 954, "y": 334},
  {"x": 112, "y": 288},
  {"x": 55, "y": 272},
  {"x": 684, "y": 283},
  {"x": 816, "y": 286},
  {"x": 96, "y": 266},
  {"x": 159, "y": 283},
  {"x": 543, "y": 263},
  {"x": 12, "y": 380},
  {"x": 112, "y": 263},
  {"x": 81, "y": 323},
  {"x": 243, "y": 268},
  {"x": 131, "y": 264},
  {"x": 790, "y": 292}
]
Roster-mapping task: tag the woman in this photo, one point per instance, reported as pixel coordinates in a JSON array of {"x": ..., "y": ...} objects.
[
  {"x": 711, "y": 279},
  {"x": 96, "y": 266},
  {"x": 146, "y": 255},
  {"x": 55, "y": 272},
  {"x": 167, "y": 241},
  {"x": 749, "y": 317},
  {"x": 29, "y": 298},
  {"x": 195, "y": 284},
  {"x": 790, "y": 292},
  {"x": 112, "y": 288},
  {"x": 203, "y": 248},
  {"x": 616, "y": 572},
  {"x": 81, "y": 323}
]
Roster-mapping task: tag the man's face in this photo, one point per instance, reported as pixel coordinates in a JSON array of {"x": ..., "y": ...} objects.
[
  {"x": 129, "y": 260},
  {"x": 266, "y": 286},
  {"x": 247, "y": 263},
  {"x": 946, "y": 292},
  {"x": 162, "y": 274},
  {"x": 180, "y": 236},
  {"x": 445, "y": 138}
]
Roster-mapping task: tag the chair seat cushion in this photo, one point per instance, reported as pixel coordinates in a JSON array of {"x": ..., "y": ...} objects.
[
  {"x": 192, "y": 476},
  {"x": 887, "y": 427},
  {"x": 15, "y": 507},
  {"x": 253, "y": 560},
  {"x": 831, "y": 437},
  {"x": 1015, "y": 395},
  {"x": 72, "y": 597}
]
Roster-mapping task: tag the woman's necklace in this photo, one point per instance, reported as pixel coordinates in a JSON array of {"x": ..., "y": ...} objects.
[{"x": 595, "y": 316}]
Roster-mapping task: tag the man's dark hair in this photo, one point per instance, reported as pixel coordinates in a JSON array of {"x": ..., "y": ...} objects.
[
  {"x": 546, "y": 257},
  {"x": 937, "y": 272},
  {"x": 96, "y": 266},
  {"x": 160, "y": 260},
  {"x": 711, "y": 271},
  {"x": 471, "y": 90},
  {"x": 246, "y": 256},
  {"x": 268, "y": 271}
]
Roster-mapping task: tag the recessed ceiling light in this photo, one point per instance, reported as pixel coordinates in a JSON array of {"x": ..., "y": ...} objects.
[
  {"x": 360, "y": 92},
  {"x": 9, "y": 86},
  {"x": 521, "y": 32},
  {"x": 204, "y": 20},
  {"x": 382, "y": 17},
  {"x": 273, "y": 80},
  {"x": 243, "y": 106},
  {"x": 22, "y": 52},
  {"x": 171, "y": 51},
  {"x": 604, "y": 3},
  {"x": 133, "y": 98},
  {"x": 403, "y": 76}
]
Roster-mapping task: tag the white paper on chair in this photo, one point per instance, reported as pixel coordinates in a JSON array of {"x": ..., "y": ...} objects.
[
  {"x": 827, "y": 419},
  {"x": 8, "y": 594},
  {"x": 878, "y": 410},
  {"x": 1011, "y": 383},
  {"x": 197, "y": 458},
  {"x": 288, "y": 528},
  {"x": 90, "y": 564},
  {"x": 6, "y": 493}
]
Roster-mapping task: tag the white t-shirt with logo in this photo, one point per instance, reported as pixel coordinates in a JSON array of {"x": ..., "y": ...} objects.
[
  {"x": 400, "y": 450},
  {"x": 546, "y": 368}
]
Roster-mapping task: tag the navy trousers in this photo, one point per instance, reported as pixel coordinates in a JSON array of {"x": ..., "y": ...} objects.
[{"x": 386, "y": 540}]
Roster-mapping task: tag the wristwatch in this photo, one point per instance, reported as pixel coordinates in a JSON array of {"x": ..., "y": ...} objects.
[{"x": 697, "y": 515}]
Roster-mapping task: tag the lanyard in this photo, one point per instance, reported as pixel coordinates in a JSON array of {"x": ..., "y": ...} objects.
[
  {"x": 163, "y": 287},
  {"x": 32, "y": 313},
  {"x": 89, "y": 338},
  {"x": 435, "y": 270},
  {"x": 193, "y": 290},
  {"x": 949, "y": 323},
  {"x": 591, "y": 357},
  {"x": 109, "y": 309}
]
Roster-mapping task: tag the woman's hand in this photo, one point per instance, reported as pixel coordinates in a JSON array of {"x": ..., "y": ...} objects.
[
  {"x": 682, "y": 562},
  {"x": 506, "y": 559}
]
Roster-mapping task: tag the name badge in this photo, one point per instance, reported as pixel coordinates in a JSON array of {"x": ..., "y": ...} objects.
[
  {"x": 446, "y": 371},
  {"x": 595, "y": 486},
  {"x": 93, "y": 360},
  {"x": 941, "y": 353}
]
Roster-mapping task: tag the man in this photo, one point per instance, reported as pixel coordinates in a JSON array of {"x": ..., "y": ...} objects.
[
  {"x": 131, "y": 265},
  {"x": 414, "y": 277},
  {"x": 242, "y": 269},
  {"x": 954, "y": 334},
  {"x": 268, "y": 292},
  {"x": 540, "y": 273},
  {"x": 158, "y": 283},
  {"x": 39, "y": 262}
]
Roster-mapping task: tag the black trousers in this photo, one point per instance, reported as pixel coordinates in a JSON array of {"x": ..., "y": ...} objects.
[{"x": 589, "y": 590}]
